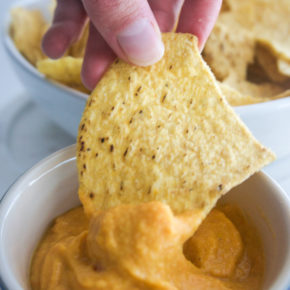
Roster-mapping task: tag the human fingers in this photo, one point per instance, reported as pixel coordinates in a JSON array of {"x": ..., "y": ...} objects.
[
  {"x": 166, "y": 13},
  {"x": 198, "y": 17},
  {"x": 68, "y": 22},
  {"x": 97, "y": 59},
  {"x": 129, "y": 28}
]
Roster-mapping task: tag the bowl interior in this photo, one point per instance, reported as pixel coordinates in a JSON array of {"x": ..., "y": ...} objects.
[
  {"x": 267, "y": 206},
  {"x": 50, "y": 188},
  {"x": 44, "y": 192}
]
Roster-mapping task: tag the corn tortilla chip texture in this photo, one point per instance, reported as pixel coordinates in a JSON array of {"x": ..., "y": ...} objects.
[
  {"x": 249, "y": 50},
  {"x": 65, "y": 70},
  {"x": 235, "y": 98},
  {"x": 270, "y": 64},
  {"x": 163, "y": 133},
  {"x": 26, "y": 30},
  {"x": 268, "y": 21},
  {"x": 224, "y": 55}
]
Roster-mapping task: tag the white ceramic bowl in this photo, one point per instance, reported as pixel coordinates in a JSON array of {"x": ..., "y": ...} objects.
[
  {"x": 50, "y": 188},
  {"x": 268, "y": 121},
  {"x": 61, "y": 103}
]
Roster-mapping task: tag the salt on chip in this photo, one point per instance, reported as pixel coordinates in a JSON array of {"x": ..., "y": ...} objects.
[
  {"x": 26, "y": 30},
  {"x": 165, "y": 133},
  {"x": 66, "y": 70}
]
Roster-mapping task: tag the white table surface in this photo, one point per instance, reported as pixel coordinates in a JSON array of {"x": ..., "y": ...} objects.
[{"x": 27, "y": 135}]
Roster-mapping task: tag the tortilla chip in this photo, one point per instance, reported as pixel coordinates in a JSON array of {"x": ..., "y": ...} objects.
[
  {"x": 273, "y": 25},
  {"x": 163, "y": 133},
  {"x": 247, "y": 50},
  {"x": 235, "y": 98},
  {"x": 284, "y": 67},
  {"x": 268, "y": 21},
  {"x": 66, "y": 70},
  {"x": 256, "y": 73},
  {"x": 261, "y": 91},
  {"x": 26, "y": 30},
  {"x": 224, "y": 55},
  {"x": 284, "y": 94},
  {"x": 253, "y": 93},
  {"x": 269, "y": 63},
  {"x": 80, "y": 88},
  {"x": 225, "y": 6}
]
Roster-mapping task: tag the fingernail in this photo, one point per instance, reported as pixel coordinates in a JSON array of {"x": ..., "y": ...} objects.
[{"x": 141, "y": 43}]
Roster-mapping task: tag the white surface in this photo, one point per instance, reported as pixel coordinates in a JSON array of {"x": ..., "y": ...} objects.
[
  {"x": 26, "y": 136},
  {"x": 51, "y": 187}
]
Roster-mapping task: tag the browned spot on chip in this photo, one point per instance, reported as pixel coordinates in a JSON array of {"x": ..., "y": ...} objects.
[{"x": 163, "y": 98}]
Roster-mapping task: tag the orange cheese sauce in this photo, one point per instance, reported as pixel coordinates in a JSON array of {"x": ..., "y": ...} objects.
[{"x": 146, "y": 246}]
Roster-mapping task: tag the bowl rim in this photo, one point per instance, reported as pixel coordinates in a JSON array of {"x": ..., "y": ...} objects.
[
  {"x": 58, "y": 158},
  {"x": 25, "y": 64},
  {"x": 67, "y": 155}
]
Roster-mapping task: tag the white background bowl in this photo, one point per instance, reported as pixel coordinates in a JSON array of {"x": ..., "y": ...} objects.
[
  {"x": 61, "y": 103},
  {"x": 50, "y": 188},
  {"x": 268, "y": 121}
]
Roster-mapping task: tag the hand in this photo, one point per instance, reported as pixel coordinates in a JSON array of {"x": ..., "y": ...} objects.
[{"x": 129, "y": 29}]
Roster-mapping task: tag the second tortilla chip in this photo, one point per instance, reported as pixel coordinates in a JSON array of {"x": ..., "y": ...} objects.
[
  {"x": 66, "y": 70},
  {"x": 163, "y": 133},
  {"x": 229, "y": 53},
  {"x": 27, "y": 28}
]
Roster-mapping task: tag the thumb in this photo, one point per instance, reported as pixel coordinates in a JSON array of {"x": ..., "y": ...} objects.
[{"x": 129, "y": 27}]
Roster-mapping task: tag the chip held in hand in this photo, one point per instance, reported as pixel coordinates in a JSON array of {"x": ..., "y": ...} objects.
[{"x": 165, "y": 133}]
